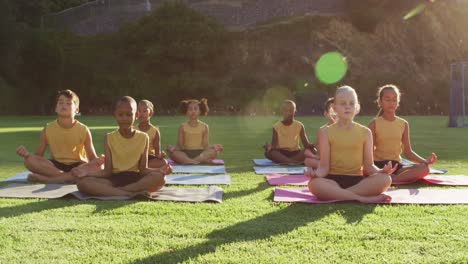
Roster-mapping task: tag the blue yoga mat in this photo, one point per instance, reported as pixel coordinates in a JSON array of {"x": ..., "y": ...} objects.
[
  {"x": 267, "y": 162},
  {"x": 219, "y": 169},
  {"x": 192, "y": 179},
  {"x": 279, "y": 170}
]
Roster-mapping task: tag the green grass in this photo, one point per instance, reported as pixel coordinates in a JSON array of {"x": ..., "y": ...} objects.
[{"x": 247, "y": 226}]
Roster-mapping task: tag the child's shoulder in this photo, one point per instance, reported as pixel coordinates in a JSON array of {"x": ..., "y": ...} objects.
[
  {"x": 116, "y": 134},
  {"x": 112, "y": 133},
  {"x": 141, "y": 134},
  {"x": 77, "y": 126},
  {"x": 361, "y": 126},
  {"x": 278, "y": 124},
  {"x": 402, "y": 120},
  {"x": 298, "y": 123},
  {"x": 203, "y": 123},
  {"x": 364, "y": 129},
  {"x": 80, "y": 125},
  {"x": 53, "y": 123}
]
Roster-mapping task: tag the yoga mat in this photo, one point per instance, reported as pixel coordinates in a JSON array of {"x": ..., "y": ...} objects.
[
  {"x": 399, "y": 196},
  {"x": 207, "y": 194},
  {"x": 51, "y": 191},
  {"x": 301, "y": 180},
  {"x": 453, "y": 180},
  {"x": 216, "y": 169},
  {"x": 267, "y": 162},
  {"x": 279, "y": 170},
  {"x": 47, "y": 191},
  {"x": 214, "y": 162},
  {"x": 19, "y": 177},
  {"x": 406, "y": 162},
  {"x": 282, "y": 179},
  {"x": 192, "y": 179}
]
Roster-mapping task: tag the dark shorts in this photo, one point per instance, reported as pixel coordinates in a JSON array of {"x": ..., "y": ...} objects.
[
  {"x": 289, "y": 153},
  {"x": 125, "y": 178},
  {"x": 151, "y": 157},
  {"x": 65, "y": 167},
  {"x": 381, "y": 163},
  {"x": 345, "y": 181},
  {"x": 192, "y": 153},
  {"x": 285, "y": 152}
]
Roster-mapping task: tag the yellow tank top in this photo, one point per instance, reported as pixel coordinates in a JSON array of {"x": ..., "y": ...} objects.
[
  {"x": 151, "y": 134},
  {"x": 388, "y": 137},
  {"x": 126, "y": 152},
  {"x": 66, "y": 145},
  {"x": 288, "y": 136},
  {"x": 346, "y": 149},
  {"x": 193, "y": 136}
]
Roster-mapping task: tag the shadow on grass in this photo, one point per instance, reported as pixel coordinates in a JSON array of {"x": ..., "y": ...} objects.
[
  {"x": 244, "y": 192},
  {"x": 269, "y": 225},
  {"x": 34, "y": 207},
  {"x": 50, "y": 204}
]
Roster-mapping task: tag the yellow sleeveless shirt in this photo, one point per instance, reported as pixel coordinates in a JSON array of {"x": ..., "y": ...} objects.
[
  {"x": 288, "y": 136},
  {"x": 66, "y": 145},
  {"x": 193, "y": 136},
  {"x": 151, "y": 132},
  {"x": 388, "y": 137},
  {"x": 126, "y": 152},
  {"x": 346, "y": 149}
]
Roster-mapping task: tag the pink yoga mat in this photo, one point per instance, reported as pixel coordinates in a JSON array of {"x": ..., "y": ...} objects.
[
  {"x": 282, "y": 179},
  {"x": 453, "y": 180},
  {"x": 276, "y": 179},
  {"x": 215, "y": 162},
  {"x": 399, "y": 196}
]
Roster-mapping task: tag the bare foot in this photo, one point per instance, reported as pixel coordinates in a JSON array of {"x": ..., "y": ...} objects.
[
  {"x": 80, "y": 172},
  {"x": 129, "y": 194},
  {"x": 381, "y": 198},
  {"x": 150, "y": 193},
  {"x": 295, "y": 163},
  {"x": 193, "y": 162},
  {"x": 34, "y": 177}
]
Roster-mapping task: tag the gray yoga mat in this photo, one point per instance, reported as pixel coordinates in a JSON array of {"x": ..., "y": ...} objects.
[
  {"x": 52, "y": 191},
  {"x": 189, "y": 179},
  {"x": 20, "y": 177},
  {"x": 194, "y": 179}
]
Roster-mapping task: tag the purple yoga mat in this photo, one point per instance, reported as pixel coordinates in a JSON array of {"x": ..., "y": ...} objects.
[
  {"x": 214, "y": 162},
  {"x": 399, "y": 196},
  {"x": 283, "y": 179}
]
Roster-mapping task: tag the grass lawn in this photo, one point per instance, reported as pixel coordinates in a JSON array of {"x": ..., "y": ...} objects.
[{"x": 247, "y": 226}]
